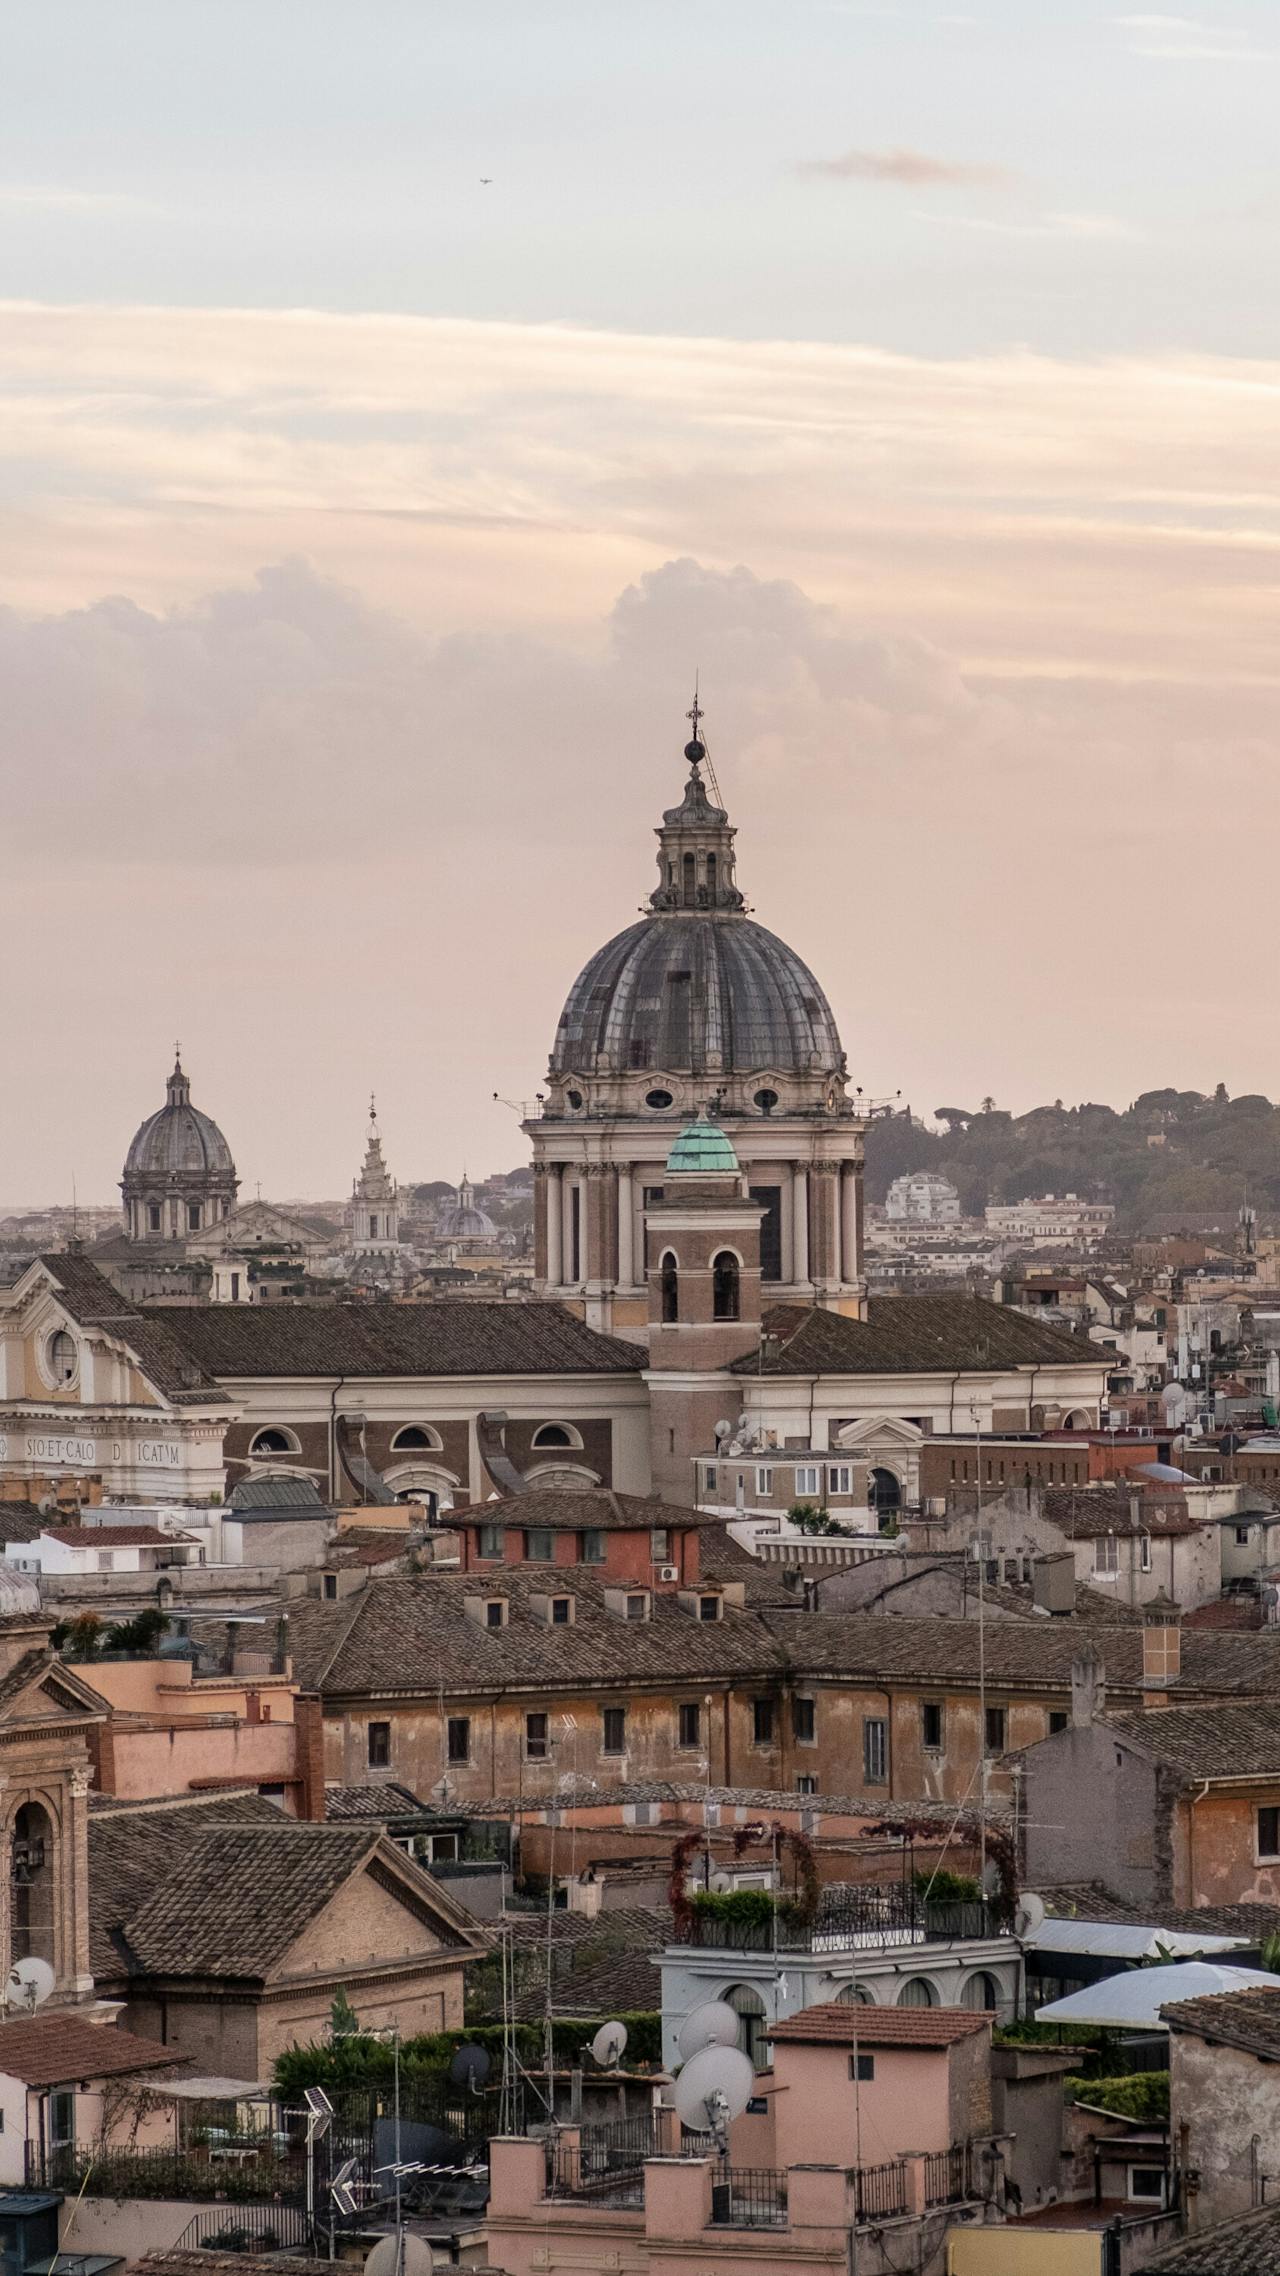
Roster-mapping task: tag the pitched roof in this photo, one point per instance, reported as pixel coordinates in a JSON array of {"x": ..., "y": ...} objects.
[
  {"x": 441, "y": 1337},
  {"x": 1249, "y": 2019},
  {"x": 1208, "y": 1742},
  {"x": 20, "y": 1521},
  {"x": 569, "y": 1509},
  {"x": 1083, "y": 1513},
  {"x": 93, "y": 1301},
  {"x": 597, "y": 1966},
  {"x": 275, "y": 1494},
  {"x": 913, "y": 1335},
  {"x": 177, "y": 1895},
  {"x": 1249, "y": 2246},
  {"x": 114, "y": 1536},
  {"x": 834, "y": 2025},
  {"x": 376, "y": 1805},
  {"x": 56, "y": 2048}
]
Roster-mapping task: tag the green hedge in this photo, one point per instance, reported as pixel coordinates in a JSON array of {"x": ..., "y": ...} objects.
[
  {"x": 359, "y": 2062},
  {"x": 1143, "y": 2095}
]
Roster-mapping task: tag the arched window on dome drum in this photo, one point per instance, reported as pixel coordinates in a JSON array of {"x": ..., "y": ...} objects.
[
  {"x": 670, "y": 1278},
  {"x": 725, "y": 1293},
  {"x": 689, "y": 885},
  {"x": 711, "y": 877}
]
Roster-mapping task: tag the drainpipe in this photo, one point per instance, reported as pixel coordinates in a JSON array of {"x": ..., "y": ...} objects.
[{"x": 333, "y": 1439}]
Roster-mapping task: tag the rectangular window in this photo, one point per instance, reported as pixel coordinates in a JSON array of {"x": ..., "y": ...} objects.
[
  {"x": 106, "y": 1560},
  {"x": 1058, "y": 1720},
  {"x": 614, "y": 1731},
  {"x": 931, "y": 1726},
  {"x": 1145, "y": 1553},
  {"x": 193, "y": 1216},
  {"x": 235, "y": 1287},
  {"x": 807, "y": 1478},
  {"x": 575, "y": 1234},
  {"x": 331, "y": 1584},
  {"x": 1242, "y": 1534},
  {"x": 659, "y": 1545},
  {"x": 1146, "y": 2182},
  {"x": 539, "y": 1546},
  {"x": 459, "y": 1738},
  {"x": 875, "y": 1749},
  {"x": 840, "y": 1478},
  {"x": 379, "y": 1745},
  {"x": 153, "y": 1218},
  {"x": 762, "y": 1722},
  {"x": 637, "y": 1607},
  {"x": 535, "y": 1738},
  {"x": 1269, "y": 1831},
  {"x": 708, "y": 1608},
  {"x": 709, "y": 1477},
  {"x": 690, "y": 1723},
  {"x": 769, "y": 1197},
  {"x": 862, "y": 2067},
  {"x": 561, "y": 1611},
  {"x": 62, "y": 2120},
  {"x": 995, "y": 1723},
  {"x": 1106, "y": 1554},
  {"x": 491, "y": 1541},
  {"x": 806, "y": 1784},
  {"x": 495, "y": 1613},
  {"x": 764, "y": 1481},
  {"x": 803, "y": 1721},
  {"x": 593, "y": 1546}
]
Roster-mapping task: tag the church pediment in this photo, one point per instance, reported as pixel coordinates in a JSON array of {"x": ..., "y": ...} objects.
[
  {"x": 47, "y": 1692},
  {"x": 878, "y": 1431}
]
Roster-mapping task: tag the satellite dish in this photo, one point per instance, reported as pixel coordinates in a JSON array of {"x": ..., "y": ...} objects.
[
  {"x": 1029, "y": 1916},
  {"x": 30, "y": 1983},
  {"x": 713, "y": 2087},
  {"x": 714, "y": 2024},
  {"x": 609, "y": 2045},
  {"x": 720, "y": 1884},
  {"x": 403, "y": 2255},
  {"x": 470, "y": 2067}
]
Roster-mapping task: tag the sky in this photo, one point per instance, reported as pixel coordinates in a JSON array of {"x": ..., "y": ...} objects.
[{"x": 401, "y": 403}]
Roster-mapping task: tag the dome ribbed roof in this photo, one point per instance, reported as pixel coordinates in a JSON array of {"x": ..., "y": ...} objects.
[
  {"x": 694, "y": 992},
  {"x": 178, "y": 1140}
]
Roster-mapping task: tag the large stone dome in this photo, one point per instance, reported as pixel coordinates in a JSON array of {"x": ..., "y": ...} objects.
[
  {"x": 693, "y": 994},
  {"x": 179, "y": 1177}
]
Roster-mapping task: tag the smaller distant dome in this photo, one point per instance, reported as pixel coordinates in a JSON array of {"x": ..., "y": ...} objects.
[
  {"x": 17, "y": 1593},
  {"x": 460, "y": 1220},
  {"x": 702, "y": 1147}
]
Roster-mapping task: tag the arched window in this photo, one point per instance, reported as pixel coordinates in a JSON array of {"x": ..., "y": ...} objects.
[
  {"x": 884, "y": 1492},
  {"x": 725, "y": 1295},
  {"x": 854, "y": 1995},
  {"x": 62, "y": 1356},
  {"x": 689, "y": 886},
  {"x": 917, "y": 1992},
  {"x": 556, "y": 1434},
  {"x": 670, "y": 1288},
  {"x": 31, "y": 1888},
  {"x": 711, "y": 877},
  {"x": 275, "y": 1442},
  {"x": 748, "y": 2006},
  {"x": 982, "y": 1993},
  {"x": 415, "y": 1439}
]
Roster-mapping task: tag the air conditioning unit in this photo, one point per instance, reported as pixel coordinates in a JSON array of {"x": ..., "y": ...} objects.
[{"x": 668, "y": 1572}]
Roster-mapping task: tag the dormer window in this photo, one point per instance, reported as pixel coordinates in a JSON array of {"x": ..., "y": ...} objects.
[
  {"x": 561, "y": 1611},
  {"x": 637, "y": 1604},
  {"x": 495, "y": 1612},
  {"x": 710, "y": 1607}
]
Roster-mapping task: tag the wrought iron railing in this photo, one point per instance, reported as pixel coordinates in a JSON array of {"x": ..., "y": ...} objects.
[
  {"x": 253, "y": 2173},
  {"x": 251, "y": 2228},
  {"x": 848, "y": 1919},
  {"x": 749, "y": 2197},
  {"x": 879, "y": 2191},
  {"x": 602, "y": 2163},
  {"x": 946, "y": 2175}
]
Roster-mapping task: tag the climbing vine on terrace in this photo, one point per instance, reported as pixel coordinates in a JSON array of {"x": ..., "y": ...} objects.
[
  {"x": 801, "y": 1909},
  {"x": 999, "y": 1848}
]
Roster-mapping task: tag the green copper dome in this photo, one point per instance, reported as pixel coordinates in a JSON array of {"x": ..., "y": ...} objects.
[{"x": 702, "y": 1146}]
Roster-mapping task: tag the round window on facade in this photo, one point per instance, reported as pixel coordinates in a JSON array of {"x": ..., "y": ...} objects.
[
  {"x": 62, "y": 1356},
  {"x": 575, "y": 1099},
  {"x": 766, "y": 1101},
  {"x": 274, "y": 1442},
  {"x": 658, "y": 1099}
]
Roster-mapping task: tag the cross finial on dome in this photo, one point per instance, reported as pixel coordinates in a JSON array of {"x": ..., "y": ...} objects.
[
  {"x": 373, "y": 1107},
  {"x": 696, "y": 750}
]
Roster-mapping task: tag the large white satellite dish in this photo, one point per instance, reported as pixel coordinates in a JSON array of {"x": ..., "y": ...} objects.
[
  {"x": 404, "y": 2255},
  {"x": 714, "y": 2024},
  {"x": 30, "y": 1983},
  {"x": 1029, "y": 1916},
  {"x": 713, "y": 2087},
  {"x": 610, "y": 2045}
]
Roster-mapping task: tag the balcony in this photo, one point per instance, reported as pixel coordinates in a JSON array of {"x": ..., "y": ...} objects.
[{"x": 848, "y": 1920}]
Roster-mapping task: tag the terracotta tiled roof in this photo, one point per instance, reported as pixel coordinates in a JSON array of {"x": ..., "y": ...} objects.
[
  {"x": 1208, "y": 1742},
  {"x": 234, "y": 1341},
  {"x": 568, "y": 1510},
  {"x": 1239, "y": 2019},
  {"x": 915, "y": 1335},
  {"x": 1247, "y": 2247},
  {"x": 56, "y": 2049},
  {"x": 114, "y": 1536},
  {"x": 1084, "y": 1512},
  {"x": 94, "y": 1301},
  {"x": 835, "y": 2025}
]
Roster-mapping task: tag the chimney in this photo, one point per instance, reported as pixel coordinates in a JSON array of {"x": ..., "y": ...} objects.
[
  {"x": 1161, "y": 1642},
  {"x": 1088, "y": 1690},
  {"x": 308, "y": 1739},
  {"x": 1053, "y": 1582}
]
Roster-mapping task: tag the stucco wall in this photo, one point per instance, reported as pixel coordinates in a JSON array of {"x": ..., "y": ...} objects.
[
  {"x": 824, "y": 2117},
  {"x": 1091, "y": 1814},
  {"x": 1229, "y": 2102}
]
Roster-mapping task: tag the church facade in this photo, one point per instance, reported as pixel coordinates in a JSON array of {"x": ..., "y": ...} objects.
[{"x": 696, "y": 1005}]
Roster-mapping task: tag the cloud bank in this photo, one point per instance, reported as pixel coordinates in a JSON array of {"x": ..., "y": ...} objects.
[{"x": 912, "y": 168}]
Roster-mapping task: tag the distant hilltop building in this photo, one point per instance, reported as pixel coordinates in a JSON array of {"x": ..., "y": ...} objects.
[
  {"x": 1052, "y": 1221},
  {"x": 179, "y": 1177},
  {"x": 922, "y": 1197}
]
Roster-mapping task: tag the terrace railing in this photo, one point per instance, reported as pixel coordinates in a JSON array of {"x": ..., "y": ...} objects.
[
  {"x": 849, "y": 1919},
  {"x": 946, "y": 2175},
  {"x": 879, "y": 2191},
  {"x": 749, "y": 2197}
]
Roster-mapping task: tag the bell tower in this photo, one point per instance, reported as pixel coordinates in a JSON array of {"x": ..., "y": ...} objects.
[
  {"x": 702, "y": 1267},
  {"x": 375, "y": 1200}
]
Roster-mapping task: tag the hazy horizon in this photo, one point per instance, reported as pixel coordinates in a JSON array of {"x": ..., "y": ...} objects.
[{"x": 395, "y": 423}]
